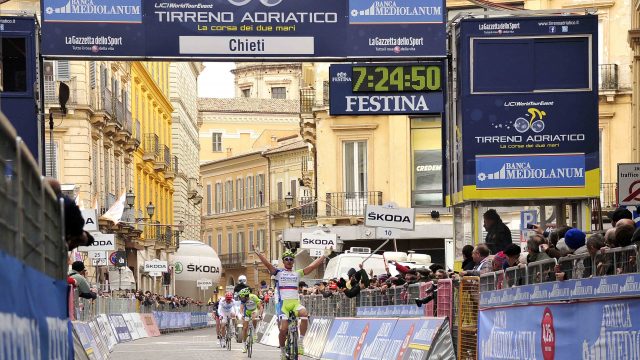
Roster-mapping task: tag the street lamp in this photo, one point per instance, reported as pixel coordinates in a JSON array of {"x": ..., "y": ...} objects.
[
  {"x": 180, "y": 227},
  {"x": 288, "y": 200},
  {"x": 131, "y": 198},
  {"x": 292, "y": 219},
  {"x": 150, "y": 210}
]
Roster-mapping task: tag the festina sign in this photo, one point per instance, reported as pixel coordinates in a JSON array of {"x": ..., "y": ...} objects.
[
  {"x": 103, "y": 242},
  {"x": 156, "y": 266},
  {"x": 389, "y": 216},
  {"x": 318, "y": 240}
]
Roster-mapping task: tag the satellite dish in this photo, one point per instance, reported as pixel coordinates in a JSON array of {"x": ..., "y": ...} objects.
[{"x": 63, "y": 96}]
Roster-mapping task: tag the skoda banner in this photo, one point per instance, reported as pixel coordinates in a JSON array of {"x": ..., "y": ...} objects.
[
  {"x": 318, "y": 240},
  {"x": 202, "y": 29},
  {"x": 156, "y": 265},
  {"x": 529, "y": 125}
]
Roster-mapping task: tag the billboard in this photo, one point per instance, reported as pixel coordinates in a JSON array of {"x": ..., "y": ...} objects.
[
  {"x": 239, "y": 29},
  {"x": 549, "y": 331},
  {"x": 528, "y": 112},
  {"x": 378, "y": 89}
]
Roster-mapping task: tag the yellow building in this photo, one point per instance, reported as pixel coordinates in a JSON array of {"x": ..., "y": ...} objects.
[
  {"x": 153, "y": 166},
  {"x": 634, "y": 41}
]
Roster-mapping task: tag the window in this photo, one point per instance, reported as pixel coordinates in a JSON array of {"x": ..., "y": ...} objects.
[
  {"x": 209, "y": 199},
  {"x": 279, "y": 92},
  {"x": 229, "y": 241},
  {"x": 210, "y": 240},
  {"x": 251, "y": 244},
  {"x": 116, "y": 176},
  {"x": 92, "y": 74},
  {"x": 218, "y": 198},
  {"x": 239, "y": 195},
  {"x": 51, "y": 155},
  {"x": 246, "y": 93},
  {"x": 294, "y": 183},
  {"x": 216, "y": 141},
  {"x": 426, "y": 157},
  {"x": 219, "y": 248},
  {"x": 107, "y": 168},
  {"x": 14, "y": 64},
  {"x": 241, "y": 246},
  {"x": 250, "y": 198},
  {"x": 355, "y": 167},
  {"x": 279, "y": 189},
  {"x": 96, "y": 167},
  {"x": 229, "y": 195},
  {"x": 260, "y": 189},
  {"x": 261, "y": 239}
]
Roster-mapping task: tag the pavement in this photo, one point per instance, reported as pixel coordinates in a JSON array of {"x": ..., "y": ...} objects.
[{"x": 193, "y": 345}]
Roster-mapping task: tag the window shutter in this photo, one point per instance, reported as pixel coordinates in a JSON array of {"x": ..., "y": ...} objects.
[
  {"x": 51, "y": 155},
  {"x": 92, "y": 74},
  {"x": 63, "y": 70}
]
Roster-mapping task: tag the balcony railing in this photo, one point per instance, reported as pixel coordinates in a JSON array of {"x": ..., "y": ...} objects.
[
  {"x": 52, "y": 90},
  {"x": 175, "y": 164},
  {"x": 109, "y": 200},
  {"x": 351, "y": 203},
  {"x": 233, "y": 260},
  {"x": 136, "y": 131},
  {"x": 278, "y": 206},
  {"x": 167, "y": 157},
  {"x": 151, "y": 147},
  {"x": 609, "y": 195},
  {"x": 119, "y": 115},
  {"x": 106, "y": 101},
  {"x": 308, "y": 208},
  {"x": 608, "y": 76},
  {"x": 307, "y": 100}
]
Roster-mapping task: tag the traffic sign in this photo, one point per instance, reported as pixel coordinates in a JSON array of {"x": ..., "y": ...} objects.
[
  {"x": 528, "y": 217},
  {"x": 118, "y": 258},
  {"x": 390, "y": 216},
  {"x": 204, "y": 283},
  {"x": 99, "y": 262},
  {"x": 629, "y": 184}
]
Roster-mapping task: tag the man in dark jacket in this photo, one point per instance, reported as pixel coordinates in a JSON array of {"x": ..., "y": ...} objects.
[
  {"x": 498, "y": 234},
  {"x": 467, "y": 263},
  {"x": 356, "y": 278}
]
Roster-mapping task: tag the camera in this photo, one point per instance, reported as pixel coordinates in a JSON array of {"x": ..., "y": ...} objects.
[{"x": 531, "y": 226}]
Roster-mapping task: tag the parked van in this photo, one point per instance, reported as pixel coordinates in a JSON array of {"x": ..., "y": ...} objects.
[{"x": 338, "y": 266}]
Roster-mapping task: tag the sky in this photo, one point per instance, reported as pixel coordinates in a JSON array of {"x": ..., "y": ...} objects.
[{"x": 216, "y": 80}]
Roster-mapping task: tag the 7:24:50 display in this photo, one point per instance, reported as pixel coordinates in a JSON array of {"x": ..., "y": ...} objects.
[{"x": 397, "y": 78}]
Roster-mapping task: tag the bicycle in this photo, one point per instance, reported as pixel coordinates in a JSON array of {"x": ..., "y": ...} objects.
[
  {"x": 250, "y": 338},
  {"x": 291, "y": 344},
  {"x": 228, "y": 336}
]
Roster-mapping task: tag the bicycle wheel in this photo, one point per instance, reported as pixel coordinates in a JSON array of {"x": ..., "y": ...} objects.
[
  {"x": 250, "y": 342},
  {"x": 229, "y": 335},
  {"x": 294, "y": 345}
]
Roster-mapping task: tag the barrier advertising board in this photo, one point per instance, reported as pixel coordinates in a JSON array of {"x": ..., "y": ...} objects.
[
  {"x": 119, "y": 327},
  {"x": 317, "y": 335},
  {"x": 238, "y": 29},
  {"x": 368, "y": 89},
  {"x": 550, "y": 331},
  {"x": 150, "y": 325},
  {"x": 528, "y": 124},
  {"x": 41, "y": 326}
]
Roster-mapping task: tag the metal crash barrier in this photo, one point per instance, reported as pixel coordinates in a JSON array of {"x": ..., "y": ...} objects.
[{"x": 469, "y": 297}]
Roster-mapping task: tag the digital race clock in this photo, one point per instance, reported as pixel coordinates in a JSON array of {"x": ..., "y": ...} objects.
[{"x": 395, "y": 78}]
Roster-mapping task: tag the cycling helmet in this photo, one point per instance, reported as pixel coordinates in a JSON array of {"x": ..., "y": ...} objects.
[
  {"x": 244, "y": 292},
  {"x": 228, "y": 296},
  {"x": 242, "y": 279},
  {"x": 288, "y": 253}
]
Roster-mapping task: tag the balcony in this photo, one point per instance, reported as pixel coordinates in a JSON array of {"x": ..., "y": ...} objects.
[
  {"x": 340, "y": 204},
  {"x": 108, "y": 201},
  {"x": 127, "y": 127},
  {"x": 608, "y": 77},
  {"x": 233, "y": 260},
  {"x": 279, "y": 206},
  {"x": 308, "y": 208},
  {"x": 307, "y": 100},
  {"x": 163, "y": 161},
  {"x": 172, "y": 169},
  {"x": 52, "y": 91},
  {"x": 133, "y": 142},
  {"x": 192, "y": 190},
  {"x": 151, "y": 147},
  {"x": 608, "y": 196}
]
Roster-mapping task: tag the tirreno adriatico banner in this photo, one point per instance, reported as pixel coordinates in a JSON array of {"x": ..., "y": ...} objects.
[
  {"x": 244, "y": 28},
  {"x": 529, "y": 108}
]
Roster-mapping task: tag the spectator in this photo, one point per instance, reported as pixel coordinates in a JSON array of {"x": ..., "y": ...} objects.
[
  {"x": 467, "y": 263},
  {"x": 498, "y": 234},
  {"x": 263, "y": 285},
  {"x": 512, "y": 252},
  {"x": 498, "y": 261},
  {"x": 242, "y": 283},
  {"x": 602, "y": 265},
  {"x": 533, "y": 248},
  {"x": 619, "y": 214},
  {"x": 481, "y": 258},
  {"x": 610, "y": 238},
  {"x": 440, "y": 275},
  {"x": 635, "y": 239},
  {"x": 575, "y": 240},
  {"x": 357, "y": 280},
  {"x": 623, "y": 222},
  {"x": 623, "y": 234},
  {"x": 78, "y": 272}
]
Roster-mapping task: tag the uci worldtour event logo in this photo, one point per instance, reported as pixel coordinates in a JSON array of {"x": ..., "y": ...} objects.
[
  {"x": 395, "y": 11},
  {"x": 531, "y": 171},
  {"x": 108, "y": 11}
]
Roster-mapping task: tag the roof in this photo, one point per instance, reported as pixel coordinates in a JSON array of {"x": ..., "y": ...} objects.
[
  {"x": 294, "y": 145},
  {"x": 249, "y": 105},
  {"x": 254, "y": 152}
]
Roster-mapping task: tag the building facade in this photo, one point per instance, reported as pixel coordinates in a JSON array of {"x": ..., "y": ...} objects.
[
  {"x": 235, "y": 215},
  {"x": 634, "y": 42},
  {"x": 154, "y": 167},
  {"x": 268, "y": 80},
  {"x": 187, "y": 196}
]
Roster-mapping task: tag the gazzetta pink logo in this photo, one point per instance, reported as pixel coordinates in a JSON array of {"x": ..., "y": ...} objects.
[{"x": 268, "y": 3}]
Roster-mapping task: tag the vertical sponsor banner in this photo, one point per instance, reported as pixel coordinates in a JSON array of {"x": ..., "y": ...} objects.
[
  {"x": 87, "y": 340},
  {"x": 549, "y": 331},
  {"x": 262, "y": 325},
  {"x": 42, "y": 327},
  {"x": 317, "y": 336},
  {"x": 529, "y": 125},
  {"x": 270, "y": 336},
  {"x": 150, "y": 325},
  {"x": 419, "y": 335},
  {"x": 378, "y": 343},
  {"x": 131, "y": 326},
  {"x": 107, "y": 331},
  {"x": 98, "y": 338},
  {"x": 119, "y": 327},
  {"x": 136, "y": 319}
]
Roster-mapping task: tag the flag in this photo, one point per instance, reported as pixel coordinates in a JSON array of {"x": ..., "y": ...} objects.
[{"x": 116, "y": 210}]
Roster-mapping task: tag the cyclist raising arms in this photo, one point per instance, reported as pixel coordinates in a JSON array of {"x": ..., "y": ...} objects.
[
  {"x": 249, "y": 303},
  {"x": 227, "y": 310},
  {"x": 287, "y": 294}
]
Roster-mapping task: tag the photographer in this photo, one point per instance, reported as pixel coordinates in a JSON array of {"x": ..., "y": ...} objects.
[{"x": 357, "y": 280}]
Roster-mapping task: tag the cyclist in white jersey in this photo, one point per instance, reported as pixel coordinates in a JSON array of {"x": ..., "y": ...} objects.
[
  {"x": 227, "y": 310},
  {"x": 288, "y": 298}
]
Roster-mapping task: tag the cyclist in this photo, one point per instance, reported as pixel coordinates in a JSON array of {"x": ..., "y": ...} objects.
[
  {"x": 249, "y": 304},
  {"x": 242, "y": 284},
  {"x": 227, "y": 311},
  {"x": 287, "y": 294}
]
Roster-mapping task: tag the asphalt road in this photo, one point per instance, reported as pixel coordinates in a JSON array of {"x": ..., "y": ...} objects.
[{"x": 193, "y": 345}]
